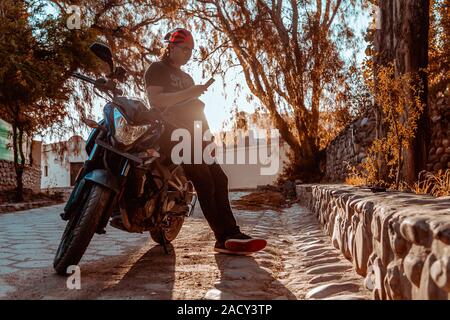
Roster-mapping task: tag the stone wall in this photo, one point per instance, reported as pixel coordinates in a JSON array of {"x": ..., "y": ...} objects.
[
  {"x": 439, "y": 152},
  {"x": 399, "y": 242},
  {"x": 31, "y": 177},
  {"x": 349, "y": 148}
]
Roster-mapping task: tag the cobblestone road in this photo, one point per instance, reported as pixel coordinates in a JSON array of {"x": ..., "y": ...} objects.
[{"x": 298, "y": 263}]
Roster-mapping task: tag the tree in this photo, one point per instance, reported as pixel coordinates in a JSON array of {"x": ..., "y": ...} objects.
[
  {"x": 130, "y": 28},
  {"x": 403, "y": 39},
  {"x": 290, "y": 53},
  {"x": 34, "y": 73}
]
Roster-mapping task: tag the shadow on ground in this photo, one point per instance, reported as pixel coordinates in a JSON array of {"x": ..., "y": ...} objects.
[{"x": 243, "y": 278}]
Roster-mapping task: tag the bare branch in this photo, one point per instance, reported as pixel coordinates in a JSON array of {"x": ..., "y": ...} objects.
[{"x": 335, "y": 10}]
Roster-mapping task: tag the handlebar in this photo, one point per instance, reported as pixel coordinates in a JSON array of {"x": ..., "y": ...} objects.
[
  {"x": 100, "y": 84},
  {"x": 83, "y": 77}
]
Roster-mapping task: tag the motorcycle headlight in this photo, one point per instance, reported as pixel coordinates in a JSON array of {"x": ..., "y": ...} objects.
[{"x": 125, "y": 133}]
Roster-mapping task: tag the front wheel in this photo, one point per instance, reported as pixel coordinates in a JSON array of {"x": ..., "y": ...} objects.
[
  {"x": 81, "y": 228},
  {"x": 169, "y": 233}
]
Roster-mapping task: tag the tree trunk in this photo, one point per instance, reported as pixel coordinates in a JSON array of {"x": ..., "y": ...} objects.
[
  {"x": 17, "y": 149},
  {"x": 315, "y": 104},
  {"x": 412, "y": 28},
  {"x": 403, "y": 38},
  {"x": 384, "y": 47}
]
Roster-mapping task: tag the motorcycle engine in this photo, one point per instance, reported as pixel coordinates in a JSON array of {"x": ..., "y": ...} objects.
[{"x": 149, "y": 208}]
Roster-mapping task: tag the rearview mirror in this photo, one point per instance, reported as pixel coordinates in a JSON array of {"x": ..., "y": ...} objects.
[
  {"x": 90, "y": 123},
  {"x": 103, "y": 52}
]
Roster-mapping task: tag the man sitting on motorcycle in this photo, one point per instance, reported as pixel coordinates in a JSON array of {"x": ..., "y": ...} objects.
[{"x": 169, "y": 87}]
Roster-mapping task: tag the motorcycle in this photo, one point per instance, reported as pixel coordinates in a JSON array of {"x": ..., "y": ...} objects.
[{"x": 124, "y": 180}]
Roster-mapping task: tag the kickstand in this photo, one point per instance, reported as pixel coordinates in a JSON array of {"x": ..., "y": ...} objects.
[{"x": 164, "y": 242}]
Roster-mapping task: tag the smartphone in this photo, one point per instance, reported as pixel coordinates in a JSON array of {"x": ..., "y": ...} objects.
[{"x": 210, "y": 82}]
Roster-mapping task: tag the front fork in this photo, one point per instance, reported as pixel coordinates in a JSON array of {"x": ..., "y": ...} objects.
[
  {"x": 80, "y": 186},
  {"x": 114, "y": 199}
]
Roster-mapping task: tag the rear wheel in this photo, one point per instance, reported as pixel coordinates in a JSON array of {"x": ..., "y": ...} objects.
[
  {"x": 81, "y": 228},
  {"x": 169, "y": 233}
]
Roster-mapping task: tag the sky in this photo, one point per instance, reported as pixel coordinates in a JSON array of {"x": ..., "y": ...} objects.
[{"x": 218, "y": 106}]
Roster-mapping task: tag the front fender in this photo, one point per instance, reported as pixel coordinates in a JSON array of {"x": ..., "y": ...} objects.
[
  {"x": 98, "y": 176},
  {"x": 73, "y": 200},
  {"x": 104, "y": 178}
]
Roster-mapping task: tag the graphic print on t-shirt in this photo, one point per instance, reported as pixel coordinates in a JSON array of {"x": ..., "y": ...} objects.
[
  {"x": 178, "y": 82},
  {"x": 172, "y": 80}
]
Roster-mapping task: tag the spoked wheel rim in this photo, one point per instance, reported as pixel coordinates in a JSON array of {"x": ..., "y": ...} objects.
[{"x": 175, "y": 225}]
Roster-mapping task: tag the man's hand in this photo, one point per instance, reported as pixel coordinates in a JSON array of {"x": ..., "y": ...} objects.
[{"x": 163, "y": 100}]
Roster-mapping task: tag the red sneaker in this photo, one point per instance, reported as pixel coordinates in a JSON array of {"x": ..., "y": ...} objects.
[
  {"x": 245, "y": 246},
  {"x": 220, "y": 247},
  {"x": 240, "y": 244}
]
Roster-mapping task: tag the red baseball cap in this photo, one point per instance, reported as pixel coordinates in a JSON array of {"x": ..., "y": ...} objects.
[{"x": 178, "y": 35}]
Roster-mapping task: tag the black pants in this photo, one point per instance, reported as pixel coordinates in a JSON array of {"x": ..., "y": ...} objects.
[{"x": 211, "y": 184}]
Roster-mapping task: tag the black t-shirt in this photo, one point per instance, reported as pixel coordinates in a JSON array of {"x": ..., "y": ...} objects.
[{"x": 172, "y": 79}]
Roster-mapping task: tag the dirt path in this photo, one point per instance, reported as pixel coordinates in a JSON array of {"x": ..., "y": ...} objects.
[{"x": 298, "y": 263}]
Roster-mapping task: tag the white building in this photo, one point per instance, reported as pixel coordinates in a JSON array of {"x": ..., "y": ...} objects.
[
  {"x": 247, "y": 175},
  {"x": 254, "y": 158},
  {"x": 61, "y": 161},
  {"x": 246, "y": 166}
]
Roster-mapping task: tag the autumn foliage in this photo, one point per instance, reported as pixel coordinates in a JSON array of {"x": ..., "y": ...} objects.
[{"x": 298, "y": 59}]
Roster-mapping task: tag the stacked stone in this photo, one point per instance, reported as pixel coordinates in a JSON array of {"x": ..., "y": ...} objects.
[
  {"x": 439, "y": 152},
  {"x": 399, "y": 242},
  {"x": 349, "y": 149},
  {"x": 7, "y": 175},
  {"x": 31, "y": 177}
]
